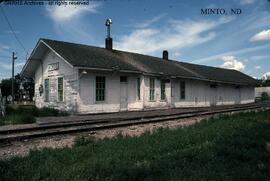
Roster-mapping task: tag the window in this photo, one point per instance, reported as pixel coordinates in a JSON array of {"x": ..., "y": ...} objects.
[
  {"x": 162, "y": 90},
  {"x": 152, "y": 89},
  {"x": 47, "y": 90},
  {"x": 123, "y": 79},
  {"x": 182, "y": 90},
  {"x": 100, "y": 88},
  {"x": 138, "y": 89},
  {"x": 60, "y": 89}
]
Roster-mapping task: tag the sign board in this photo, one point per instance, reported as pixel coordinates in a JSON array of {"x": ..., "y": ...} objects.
[{"x": 53, "y": 66}]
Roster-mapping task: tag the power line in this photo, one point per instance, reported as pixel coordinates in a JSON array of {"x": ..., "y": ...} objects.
[{"x": 12, "y": 30}]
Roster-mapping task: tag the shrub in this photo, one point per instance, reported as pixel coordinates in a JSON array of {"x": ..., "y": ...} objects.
[
  {"x": 265, "y": 96},
  {"x": 33, "y": 110},
  {"x": 27, "y": 114},
  {"x": 46, "y": 111},
  {"x": 19, "y": 118}
]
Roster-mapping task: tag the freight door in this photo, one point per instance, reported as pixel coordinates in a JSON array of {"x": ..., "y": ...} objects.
[
  {"x": 213, "y": 96},
  {"x": 123, "y": 93},
  {"x": 238, "y": 98}
]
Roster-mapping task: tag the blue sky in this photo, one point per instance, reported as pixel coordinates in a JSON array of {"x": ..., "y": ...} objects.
[{"x": 240, "y": 41}]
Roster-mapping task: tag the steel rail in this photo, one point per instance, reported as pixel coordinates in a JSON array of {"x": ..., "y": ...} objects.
[{"x": 75, "y": 127}]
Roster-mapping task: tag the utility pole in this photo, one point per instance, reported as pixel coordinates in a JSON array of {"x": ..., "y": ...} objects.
[{"x": 12, "y": 86}]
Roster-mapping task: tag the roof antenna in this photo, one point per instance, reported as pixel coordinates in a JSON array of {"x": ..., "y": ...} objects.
[
  {"x": 108, "y": 24},
  {"x": 108, "y": 41}
]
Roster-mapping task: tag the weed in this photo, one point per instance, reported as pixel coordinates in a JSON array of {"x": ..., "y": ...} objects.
[
  {"x": 231, "y": 147},
  {"x": 27, "y": 114},
  {"x": 82, "y": 140}
]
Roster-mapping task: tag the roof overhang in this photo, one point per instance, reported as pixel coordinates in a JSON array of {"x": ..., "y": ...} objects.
[{"x": 34, "y": 60}]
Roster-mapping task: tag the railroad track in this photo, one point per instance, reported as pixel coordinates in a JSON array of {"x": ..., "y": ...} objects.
[{"x": 84, "y": 125}]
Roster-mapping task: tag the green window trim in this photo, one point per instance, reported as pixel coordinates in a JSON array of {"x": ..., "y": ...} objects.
[
  {"x": 138, "y": 89},
  {"x": 152, "y": 89},
  {"x": 46, "y": 90},
  {"x": 162, "y": 90},
  {"x": 182, "y": 90},
  {"x": 60, "y": 89},
  {"x": 100, "y": 88}
]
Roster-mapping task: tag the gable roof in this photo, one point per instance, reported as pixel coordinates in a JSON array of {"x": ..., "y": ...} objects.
[{"x": 85, "y": 56}]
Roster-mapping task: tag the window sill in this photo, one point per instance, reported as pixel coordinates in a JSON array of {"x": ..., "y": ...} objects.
[{"x": 100, "y": 102}]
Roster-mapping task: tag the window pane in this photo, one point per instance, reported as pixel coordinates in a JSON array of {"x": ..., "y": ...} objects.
[
  {"x": 138, "y": 88},
  {"x": 162, "y": 90},
  {"x": 60, "y": 89},
  {"x": 152, "y": 89},
  {"x": 182, "y": 90},
  {"x": 100, "y": 88},
  {"x": 123, "y": 78},
  {"x": 47, "y": 89}
]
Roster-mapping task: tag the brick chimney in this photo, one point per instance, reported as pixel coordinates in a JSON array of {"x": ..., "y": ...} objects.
[
  {"x": 109, "y": 43},
  {"x": 165, "y": 55}
]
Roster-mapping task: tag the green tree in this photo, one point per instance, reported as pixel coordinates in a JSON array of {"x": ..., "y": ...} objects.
[
  {"x": 265, "y": 83},
  {"x": 265, "y": 96},
  {"x": 23, "y": 88}
]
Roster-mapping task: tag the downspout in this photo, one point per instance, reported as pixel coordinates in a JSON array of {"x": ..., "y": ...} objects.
[{"x": 78, "y": 92}]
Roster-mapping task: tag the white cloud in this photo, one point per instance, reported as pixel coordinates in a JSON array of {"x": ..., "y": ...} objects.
[
  {"x": 68, "y": 21},
  {"x": 266, "y": 76},
  {"x": 258, "y": 67},
  {"x": 9, "y": 67},
  {"x": 174, "y": 35},
  {"x": 259, "y": 57},
  {"x": 176, "y": 55},
  {"x": 235, "y": 52},
  {"x": 147, "y": 23},
  {"x": 246, "y": 2},
  {"x": 263, "y": 35},
  {"x": 231, "y": 62},
  {"x": 4, "y": 48},
  {"x": 67, "y": 12}
]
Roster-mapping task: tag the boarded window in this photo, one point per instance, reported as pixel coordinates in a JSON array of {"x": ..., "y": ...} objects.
[
  {"x": 162, "y": 90},
  {"x": 47, "y": 90},
  {"x": 138, "y": 89},
  {"x": 60, "y": 89},
  {"x": 152, "y": 89},
  {"x": 100, "y": 88},
  {"x": 182, "y": 90}
]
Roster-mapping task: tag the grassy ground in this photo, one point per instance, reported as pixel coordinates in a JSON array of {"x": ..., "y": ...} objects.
[
  {"x": 27, "y": 114},
  {"x": 225, "y": 148}
]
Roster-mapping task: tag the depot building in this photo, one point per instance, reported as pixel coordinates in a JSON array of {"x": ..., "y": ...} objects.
[{"x": 87, "y": 79}]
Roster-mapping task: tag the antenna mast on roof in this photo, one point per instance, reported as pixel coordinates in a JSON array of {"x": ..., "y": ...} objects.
[
  {"x": 108, "y": 24},
  {"x": 108, "y": 40}
]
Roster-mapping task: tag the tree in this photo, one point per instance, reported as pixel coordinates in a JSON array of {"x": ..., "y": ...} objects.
[
  {"x": 6, "y": 87},
  {"x": 23, "y": 88},
  {"x": 265, "y": 96},
  {"x": 265, "y": 83},
  {"x": 28, "y": 88}
]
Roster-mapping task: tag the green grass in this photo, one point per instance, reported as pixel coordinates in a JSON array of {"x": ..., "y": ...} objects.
[
  {"x": 224, "y": 148},
  {"x": 18, "y": 118},
  {"x": 27, "y": 114}
]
